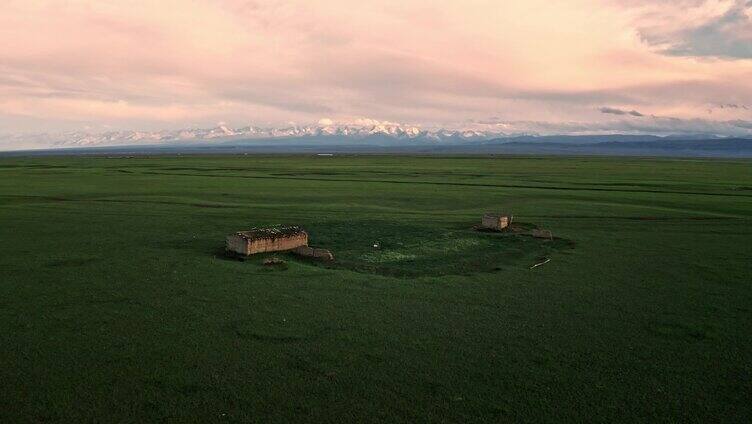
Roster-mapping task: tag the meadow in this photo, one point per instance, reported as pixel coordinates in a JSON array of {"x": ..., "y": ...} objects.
[{"x": 117, "y": 303}]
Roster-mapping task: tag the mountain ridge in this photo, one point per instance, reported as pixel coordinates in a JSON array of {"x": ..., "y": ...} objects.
[
  {"x": 610, "y": 145},
  {"x": 372, "y": 130}
]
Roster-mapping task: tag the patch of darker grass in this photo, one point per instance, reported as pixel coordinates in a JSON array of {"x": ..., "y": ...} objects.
[
  {"x": 677, "y": 331},
  {"x": 269, "y": 333},
  {"x": 271, "y": 338},
  {"x": 167, "y": 202},
  {"x": 415, "y": 249},
  {"x": 71, "y": 262}
]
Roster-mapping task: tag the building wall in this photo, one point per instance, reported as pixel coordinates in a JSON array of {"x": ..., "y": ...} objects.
[
  {"x": 273, "y": 245},
  {"x": 237, "y": 244},
  {"x": 243, "y": 246}
]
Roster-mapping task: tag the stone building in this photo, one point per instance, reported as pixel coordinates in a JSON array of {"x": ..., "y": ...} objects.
[
  {"x": 260, "y": 240},
  {"x": 496, "y": 221}
]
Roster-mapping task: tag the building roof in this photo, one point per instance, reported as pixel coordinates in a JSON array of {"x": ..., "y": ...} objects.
[
  {"x": 272, "y": 232},
  {"x": 497, "y": 214}
]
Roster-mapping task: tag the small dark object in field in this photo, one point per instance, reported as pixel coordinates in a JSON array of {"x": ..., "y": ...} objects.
[
  {"x": 540, "y": 262},
  {"x": 273, "y": 261},
  {"x": 544, "y": 234}
]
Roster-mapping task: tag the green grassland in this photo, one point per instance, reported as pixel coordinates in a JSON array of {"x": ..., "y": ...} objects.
[{"x": 118, "y": 305}]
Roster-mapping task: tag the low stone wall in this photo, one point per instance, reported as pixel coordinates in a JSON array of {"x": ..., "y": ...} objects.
[
  {"x": 316, "y": 253},
  {"x": 541, "y": 233}
]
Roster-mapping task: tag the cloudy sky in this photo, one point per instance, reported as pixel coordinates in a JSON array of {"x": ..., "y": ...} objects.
[{"x": 569, "y": 66}]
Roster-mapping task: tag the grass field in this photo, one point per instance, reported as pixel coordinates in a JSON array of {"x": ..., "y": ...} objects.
[{"x": 117, "y": 305}]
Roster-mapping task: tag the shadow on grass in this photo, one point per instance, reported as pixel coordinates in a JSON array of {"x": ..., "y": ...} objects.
[
  {"x": 415, "y": 250},
  {"x": 71, "y": 262}
]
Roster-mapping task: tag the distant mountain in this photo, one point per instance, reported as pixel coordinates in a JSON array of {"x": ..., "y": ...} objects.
[
  {"x": 225, "y": 133},
  {"x": 375, "y": 137},
  {"x": 611, "y": 145}
]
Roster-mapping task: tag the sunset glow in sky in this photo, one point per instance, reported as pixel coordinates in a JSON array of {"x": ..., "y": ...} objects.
[{"x": 567, "y": 66}]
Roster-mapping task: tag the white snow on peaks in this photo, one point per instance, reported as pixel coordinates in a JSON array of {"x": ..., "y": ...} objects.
[{"x": 355, "y": 128}]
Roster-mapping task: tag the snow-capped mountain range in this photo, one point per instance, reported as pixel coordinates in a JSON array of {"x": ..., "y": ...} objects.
[{"x": 224, "y": 132}]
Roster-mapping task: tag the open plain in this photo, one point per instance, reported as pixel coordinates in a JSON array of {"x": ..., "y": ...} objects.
[{"x": 117, "y": 302}]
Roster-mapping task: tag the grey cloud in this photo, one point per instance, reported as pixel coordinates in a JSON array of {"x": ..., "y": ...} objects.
[
  {"x": 741, "y": 124},
  {"x": 615, "y": 111},
  {"x": 653, "y": 125},
  {"x": 275, "y": 96},
  {"x": 729, "y": 36},
  {"x": 690, "y": 92},
  {"x": 396, "y": 79},
  {"x": 732, "y": 106}
]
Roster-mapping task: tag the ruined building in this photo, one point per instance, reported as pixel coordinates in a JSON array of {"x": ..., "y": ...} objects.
[
  {"x": 260, "y": 240},
  {"x": 496, "y": 221}
]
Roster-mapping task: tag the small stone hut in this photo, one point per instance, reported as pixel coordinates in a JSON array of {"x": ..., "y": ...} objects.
[
  {"x": 496, "y": 221},
  {"x": 258, "y": 240}
]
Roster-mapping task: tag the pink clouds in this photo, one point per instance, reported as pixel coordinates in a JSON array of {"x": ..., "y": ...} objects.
[{"x": 146, "y": 64}]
